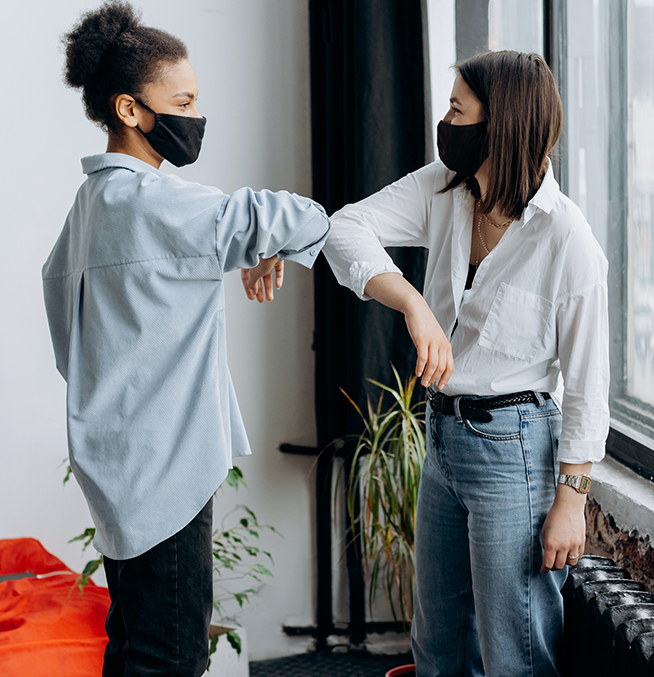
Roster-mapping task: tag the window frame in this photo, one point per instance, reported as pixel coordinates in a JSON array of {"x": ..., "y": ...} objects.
[{"x": 631, "y": 437}]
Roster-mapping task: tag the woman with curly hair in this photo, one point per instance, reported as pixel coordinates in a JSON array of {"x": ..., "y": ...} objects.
[
  {"x": 135, "y": 301},
  {"x": 511, "y": 332}
]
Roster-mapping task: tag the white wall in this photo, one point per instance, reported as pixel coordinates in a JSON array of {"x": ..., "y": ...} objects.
[
  {"x": 442, "y": 53},
  {"x": 252, "y": 62},
  {"x": 251, "y": 58}
]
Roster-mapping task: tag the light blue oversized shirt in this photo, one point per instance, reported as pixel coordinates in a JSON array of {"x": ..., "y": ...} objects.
[{"x": 136, "y": 307}]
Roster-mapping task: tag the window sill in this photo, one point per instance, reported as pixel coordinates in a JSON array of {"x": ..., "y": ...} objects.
[{"x": 626, "y": 496}]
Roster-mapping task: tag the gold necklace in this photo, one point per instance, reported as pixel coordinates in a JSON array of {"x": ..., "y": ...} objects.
[
  {"x": 481, "y": 239},
  {"x": 508, "y": 222}
]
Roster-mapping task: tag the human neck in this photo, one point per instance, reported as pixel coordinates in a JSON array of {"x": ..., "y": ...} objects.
[
  {"x": 495, "y": 215},
  {"x": 132, "y": 142}
]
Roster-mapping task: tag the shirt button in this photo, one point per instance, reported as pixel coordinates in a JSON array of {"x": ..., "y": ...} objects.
[{"x": 313, "y": 252}]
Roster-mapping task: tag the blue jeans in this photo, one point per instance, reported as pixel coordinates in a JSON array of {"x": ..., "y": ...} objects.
[
  {"x": 481, "y": 605},
  {"x": 161, "y": 604}
]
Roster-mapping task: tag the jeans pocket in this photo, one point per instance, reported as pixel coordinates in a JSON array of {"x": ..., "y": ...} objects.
[{"x": 505, "y": 426}]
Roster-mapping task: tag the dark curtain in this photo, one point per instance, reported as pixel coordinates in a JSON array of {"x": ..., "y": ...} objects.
[{"x": 371, "y": 125}]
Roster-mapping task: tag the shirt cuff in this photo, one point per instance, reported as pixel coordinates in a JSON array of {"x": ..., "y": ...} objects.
[
  {"x": 581, "y": 451},
  {"x": 361, "y": 272},
  {"x": 307, "y": 256}
]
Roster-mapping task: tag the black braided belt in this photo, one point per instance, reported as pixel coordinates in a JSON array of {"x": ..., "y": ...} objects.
[{"x": 479, "y": 410}]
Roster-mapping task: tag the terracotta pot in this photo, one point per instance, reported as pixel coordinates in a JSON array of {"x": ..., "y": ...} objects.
[{"x": 406, "y": 670}]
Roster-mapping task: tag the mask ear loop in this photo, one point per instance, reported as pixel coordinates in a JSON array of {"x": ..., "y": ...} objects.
[{"x": 140, "y": 103}]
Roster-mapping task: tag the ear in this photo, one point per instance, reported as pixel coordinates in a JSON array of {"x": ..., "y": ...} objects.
[{"x": 128, "y": 112}]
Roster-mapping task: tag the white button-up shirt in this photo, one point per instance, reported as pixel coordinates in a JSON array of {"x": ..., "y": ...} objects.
[{"x": 536, "y": 316}]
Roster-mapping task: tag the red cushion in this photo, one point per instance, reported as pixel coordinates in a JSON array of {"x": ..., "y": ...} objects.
[
  {"x": 46, "y": 626},
  {"x": 18, "y": 555}
]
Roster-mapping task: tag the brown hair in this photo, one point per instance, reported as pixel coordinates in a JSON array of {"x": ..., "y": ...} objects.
[{"x": 524, "y": 116}]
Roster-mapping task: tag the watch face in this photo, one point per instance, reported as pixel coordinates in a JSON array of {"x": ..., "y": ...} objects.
[{"x": 585, "y": 485}]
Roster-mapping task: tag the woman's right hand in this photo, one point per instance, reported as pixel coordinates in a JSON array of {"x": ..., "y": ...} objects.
[
  {"x": 258, "y": 281},
  {"x": 435, "y": 363}
]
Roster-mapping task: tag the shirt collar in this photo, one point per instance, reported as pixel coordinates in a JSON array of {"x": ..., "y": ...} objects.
[
  {"x": 548, "y": 193},
  {"x": 95, "y": 163}
]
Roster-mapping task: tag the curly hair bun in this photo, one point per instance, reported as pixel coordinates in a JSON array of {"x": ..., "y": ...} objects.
[
  {"x": 109, "y": 51},
  {"x": 92, "y": 36}
]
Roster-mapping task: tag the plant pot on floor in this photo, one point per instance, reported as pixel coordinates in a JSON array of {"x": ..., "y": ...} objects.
[{"x": 404, "y": 670}]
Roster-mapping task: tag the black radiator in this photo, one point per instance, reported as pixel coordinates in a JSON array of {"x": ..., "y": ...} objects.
[{"x": 609, "y": 622}]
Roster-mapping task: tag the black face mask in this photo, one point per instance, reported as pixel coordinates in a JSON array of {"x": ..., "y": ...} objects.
[
  {"x": 177, "y": 138},
  {"x": 462, "y": 148}
]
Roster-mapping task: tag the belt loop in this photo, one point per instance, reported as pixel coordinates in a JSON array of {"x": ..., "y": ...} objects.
[
  {"x": 431, "y": 396},
  {"x": 457, "y": 408},
  {"x": 540, "y": 400}
]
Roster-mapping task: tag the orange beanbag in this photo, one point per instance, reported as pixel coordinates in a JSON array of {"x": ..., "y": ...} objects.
[{"x": 47, "y": 629}]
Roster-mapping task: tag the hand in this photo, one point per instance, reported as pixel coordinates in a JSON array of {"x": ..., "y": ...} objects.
[
  {"x": 435, "y": 362},
  {"x": 258, "y": 281},
  {"x": 564, "y": 531}
]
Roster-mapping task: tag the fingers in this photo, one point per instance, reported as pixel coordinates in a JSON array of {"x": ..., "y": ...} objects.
[
  {"x": 560, "y": 560},
  {"x": 258, "y": 281},
  {"x": 279, "y": 274},
  {"x": 259, "y": 291},
  {"x": 434, "y": 364},
  {"x": 252, "y": 285},
  {"x": 423, "y": 355},
  {"x": 268, "y": 286},
  {"x": 549, "y": 560},
  {"x": 245, "y": 281},
  {"x": 449, "y": 369},
  {"x": 256, "y": 287},
  {"x": 557, "y": 559}
]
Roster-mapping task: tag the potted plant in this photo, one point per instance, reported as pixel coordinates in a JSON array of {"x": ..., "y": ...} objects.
[
  {"x": 402, "y": 671},
  {"x": 240, "y": 566},
  {"x": 387, "y": 460}
]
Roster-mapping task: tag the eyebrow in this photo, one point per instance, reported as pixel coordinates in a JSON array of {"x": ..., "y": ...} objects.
[
  {"x": 453, "y": 99},
  {"x": 184, "y": 95}
]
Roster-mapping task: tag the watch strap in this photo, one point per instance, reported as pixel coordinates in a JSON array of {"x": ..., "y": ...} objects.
[{"x": 580, "y": 483}]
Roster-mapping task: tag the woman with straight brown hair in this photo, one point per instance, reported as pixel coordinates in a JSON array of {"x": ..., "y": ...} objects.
[{"x": 511, "y": 332}]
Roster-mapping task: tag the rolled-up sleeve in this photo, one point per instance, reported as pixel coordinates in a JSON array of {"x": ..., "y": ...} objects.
[
  {"x": 395, "y": 216},
  {"x": 583, "y": 342},
  {"x": 253, "y": 224}
]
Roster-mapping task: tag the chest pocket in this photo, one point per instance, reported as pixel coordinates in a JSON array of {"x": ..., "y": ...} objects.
[{"x": 516, "y": 323}]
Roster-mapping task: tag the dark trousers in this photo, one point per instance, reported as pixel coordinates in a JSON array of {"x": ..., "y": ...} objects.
[{"x": 161, "y": 602}]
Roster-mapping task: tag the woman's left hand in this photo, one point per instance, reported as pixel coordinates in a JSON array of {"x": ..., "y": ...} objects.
[
  {"x": 564, "y": 531},
  {"x": 258, "y": 281}
]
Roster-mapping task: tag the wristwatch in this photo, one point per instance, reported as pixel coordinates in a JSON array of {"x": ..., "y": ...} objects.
[{"x": 580, "y": 483}]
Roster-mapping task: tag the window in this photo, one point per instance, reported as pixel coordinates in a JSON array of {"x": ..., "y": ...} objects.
[
  {"x": 640, "y": 224},
  {"x": 607, "y": 168},
  {"x": 602, "y": 54},
  {"x": 516, "y": 24}
]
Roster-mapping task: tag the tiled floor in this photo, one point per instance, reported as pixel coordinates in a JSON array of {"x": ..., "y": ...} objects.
[{"x": 351, "y": 664}]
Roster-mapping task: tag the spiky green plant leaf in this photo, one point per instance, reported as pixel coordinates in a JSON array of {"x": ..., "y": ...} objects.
[{"x": 386, "y": 462}]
